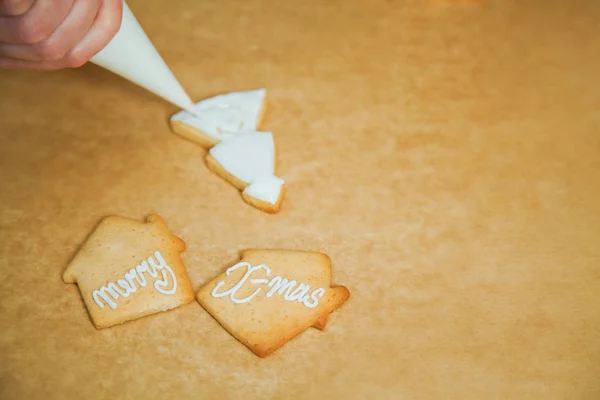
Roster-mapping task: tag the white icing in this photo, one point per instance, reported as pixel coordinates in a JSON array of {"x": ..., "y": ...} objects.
[
  {"x": 231, "y": 292},
  {"x": 266, "y": 189},
  {"x": 126, "y": 287},
  {"x": 250, "y": 157},
  {"x": 224, "y": 115},
  {"x": 313, "y": 296},
  {"x": 278, "y": 285}
]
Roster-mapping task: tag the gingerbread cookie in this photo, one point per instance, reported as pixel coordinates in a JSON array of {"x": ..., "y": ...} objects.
[
  {"x": 128, "y": 269},
  {"x": 221, "y": 117},
  {"x": 271, "y": 296},
  {"x": 239, "y": 153}
]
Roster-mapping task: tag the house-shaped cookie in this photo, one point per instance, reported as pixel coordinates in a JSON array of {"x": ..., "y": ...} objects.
[
  {"x": 271, "y": 296},
  {"x": 128, "y": 269}
]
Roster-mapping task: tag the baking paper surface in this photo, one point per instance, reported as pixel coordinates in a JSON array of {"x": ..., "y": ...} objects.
[{"x": 445, "y": 155}]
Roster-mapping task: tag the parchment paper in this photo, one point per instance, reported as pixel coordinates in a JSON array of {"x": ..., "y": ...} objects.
[{"x": 444, "y": 154}]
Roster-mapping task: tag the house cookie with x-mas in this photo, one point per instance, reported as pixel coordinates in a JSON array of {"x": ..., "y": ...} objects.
[
  {"x": 271, "y": 296},
  {"x": 128, "y": 269}
]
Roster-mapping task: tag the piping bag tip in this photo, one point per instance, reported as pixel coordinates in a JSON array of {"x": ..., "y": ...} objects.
[
  {"x": 192, "y": 110},
  {"x": 132, "y": 55}
]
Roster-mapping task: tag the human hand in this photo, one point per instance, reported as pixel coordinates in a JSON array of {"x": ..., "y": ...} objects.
[{"x": 54, "y": 34}]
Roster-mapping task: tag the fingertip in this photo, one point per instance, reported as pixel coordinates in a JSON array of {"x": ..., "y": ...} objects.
[
  {"x": 106, "y": 26},
  {"x": 76, "y": 59},
  {"x": 114, "y": 17}
]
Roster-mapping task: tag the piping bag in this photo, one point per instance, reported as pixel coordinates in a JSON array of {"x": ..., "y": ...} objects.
[{"x": 131, "y": 55}]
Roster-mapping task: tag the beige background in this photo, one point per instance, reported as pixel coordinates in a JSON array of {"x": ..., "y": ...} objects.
[{"x": 445, "y": 154}]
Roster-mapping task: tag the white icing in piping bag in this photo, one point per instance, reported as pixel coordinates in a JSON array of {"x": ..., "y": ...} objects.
[{"x": 132, "y": 55}]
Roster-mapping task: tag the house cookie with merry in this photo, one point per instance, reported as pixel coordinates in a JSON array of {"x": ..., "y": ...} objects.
[
  {"x": 128, "y": 269},
  {"x": 271, "y": 296}
]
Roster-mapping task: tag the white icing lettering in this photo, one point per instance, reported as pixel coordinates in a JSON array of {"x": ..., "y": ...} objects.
[
  {"x": 277, "y": 285},
  {"x": 135, "y": 274},
  {"x": 104, "y": 291},
  {"x": 313, "y": 296},
  {"x": 300, "y": 292},
  {"x": 280, "y": 285},
  {"x": 231, "y": 292},
  {"x": 126, "y": 287},
  {"x": 161, "y": 284}
]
